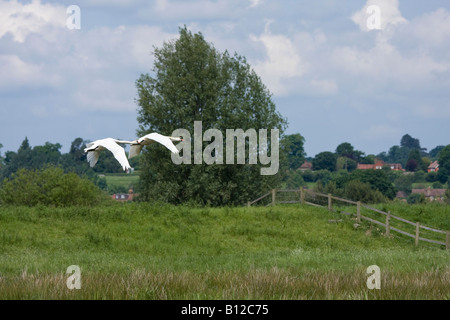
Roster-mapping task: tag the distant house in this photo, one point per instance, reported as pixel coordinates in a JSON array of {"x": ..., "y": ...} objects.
[
  {"x": 401, "y": 195},
  {"x": 433, "y": 167},
  {"x": 305, "y": 166},
  {"x": 123, "y": 196},
  {"x": 379, "y": 164},
  {"x": 431, "y": 194}
]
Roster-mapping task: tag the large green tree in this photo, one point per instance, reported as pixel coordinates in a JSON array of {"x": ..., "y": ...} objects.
[
  {"x": 190, "y": 82},
  {"x": 325, "y": 160},
  {"x": 345, "y": 149},
  {"x": 409, "y": 142},
  {"x": 443, "y": 174},
  {"x": 292, "y": 146}
]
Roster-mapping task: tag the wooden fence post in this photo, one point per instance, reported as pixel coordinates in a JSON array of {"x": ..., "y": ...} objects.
[
  {"x": 358, "y": 211},
  {"x": 302, "y": 195},
  {"x": 417, "y": 233},
  {"x": 447, "y": 240},
  {"x": 273, "y": 196},
  {"x": 248, "y": 204},
  {"x": 329, "y": 202},
  {"x": 388, "y": 229}
]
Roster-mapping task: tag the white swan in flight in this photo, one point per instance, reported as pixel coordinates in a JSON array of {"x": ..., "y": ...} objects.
[
  {"x": 93, "y": 151},
  {"x": 137, "y": 145}
]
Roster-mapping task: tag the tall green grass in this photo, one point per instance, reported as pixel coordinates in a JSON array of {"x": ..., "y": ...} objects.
[{"x": 159, "y": 251}]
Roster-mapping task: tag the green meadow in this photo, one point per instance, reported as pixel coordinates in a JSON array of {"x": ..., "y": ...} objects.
[
  {"x": 161, "y": 251},
  {"x": 122, "y": 182}
]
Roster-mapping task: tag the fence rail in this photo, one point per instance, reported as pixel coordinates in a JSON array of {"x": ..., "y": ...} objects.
[{"x": 300, "y": 196}]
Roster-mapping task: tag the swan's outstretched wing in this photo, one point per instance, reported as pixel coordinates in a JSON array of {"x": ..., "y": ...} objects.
[
  {"x": 94, "y": 148},
  {"x": 135, "y": 149},
  {"x": 92, "y": 156},
  {"x": 117, "y": 151},
  {"x": 164, "y": 140},
  {"x": 90, "y": 144},
  {"x": 137, "y": 146}
]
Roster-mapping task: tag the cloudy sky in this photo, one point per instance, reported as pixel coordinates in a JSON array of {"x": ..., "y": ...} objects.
[{"x": 358, "y": 71}]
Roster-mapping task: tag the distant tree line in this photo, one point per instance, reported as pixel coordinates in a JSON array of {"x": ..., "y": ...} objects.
[
  {"x": 39, "y": 157},
  {"x": 332, "y": 172}
]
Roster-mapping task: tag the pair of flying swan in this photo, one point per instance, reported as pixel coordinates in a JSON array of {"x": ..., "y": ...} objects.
[{"x": 93, "y": 148}]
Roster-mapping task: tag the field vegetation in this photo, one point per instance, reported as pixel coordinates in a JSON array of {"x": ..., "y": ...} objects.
[{"x": 162, "y": 251}]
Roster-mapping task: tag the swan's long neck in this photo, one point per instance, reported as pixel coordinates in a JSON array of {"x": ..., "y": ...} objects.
[{"x": 124, "y": 141}]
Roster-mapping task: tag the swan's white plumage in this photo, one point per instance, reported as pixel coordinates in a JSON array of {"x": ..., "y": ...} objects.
[
  {"x": 166, "y": 141},
  {"x": 93, "y": 151}
]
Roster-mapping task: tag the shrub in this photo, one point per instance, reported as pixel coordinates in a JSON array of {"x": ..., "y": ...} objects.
[
  {"x": 49, "y": 186},
  {"x": 431, "y": 177},
  {"x": 414, "y": 198},
  {"x": 362, "y": 191},
  {"x": 447, "y": 196},
  {"x": 295, "y": 180},
  {"x": 437, "y": 185}
]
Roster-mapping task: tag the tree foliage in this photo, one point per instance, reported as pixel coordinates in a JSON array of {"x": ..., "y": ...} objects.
[
  {"x": 48, "y": 186},
  {"x": 443, "y": 174},
  {"x": 377, "y": 179},
  {"x": 292, "y": 147},
  {"x": 345, "y": 149},
  {"x": 414, "y": 161},
  {"x": 325, "y": 160},
  {"x": 409, "y": 142},
  {"x": 192, "y": 81},
  {"x": 434, "y": 153},
  {"x": 362, "y": 191},
  {"x": 402, "y": 154}
]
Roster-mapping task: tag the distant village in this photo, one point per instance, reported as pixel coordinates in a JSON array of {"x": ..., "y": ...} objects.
[{"x": 429, "y": 193}]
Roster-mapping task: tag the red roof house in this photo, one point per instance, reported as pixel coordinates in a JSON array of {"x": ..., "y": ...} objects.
[
  {"x": 123, "y": 196},
  {"x": 433, "y": 167},
  {"x": 379, "y": 164},
  {"x": 305, "y": 166}
]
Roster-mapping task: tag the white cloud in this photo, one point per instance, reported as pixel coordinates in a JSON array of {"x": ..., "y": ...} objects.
[
  {"x": 432, "y": 29},
  {"x": 100, "y": 65},
  {"x": 283, "y": 61},
  {"x": 20, "y": 20},
  {"x": 254, "y": 3},
  {"x": 17, "y": 73},
  {"x": 388, "y": 11},
  {"x": 385, "y": 65},
  {"x": 100, "y": 94}
]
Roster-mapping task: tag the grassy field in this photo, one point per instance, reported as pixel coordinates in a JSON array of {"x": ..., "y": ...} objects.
[
  {"x": 159, "y": 251},
  {"x": 122, "y": 181}
]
